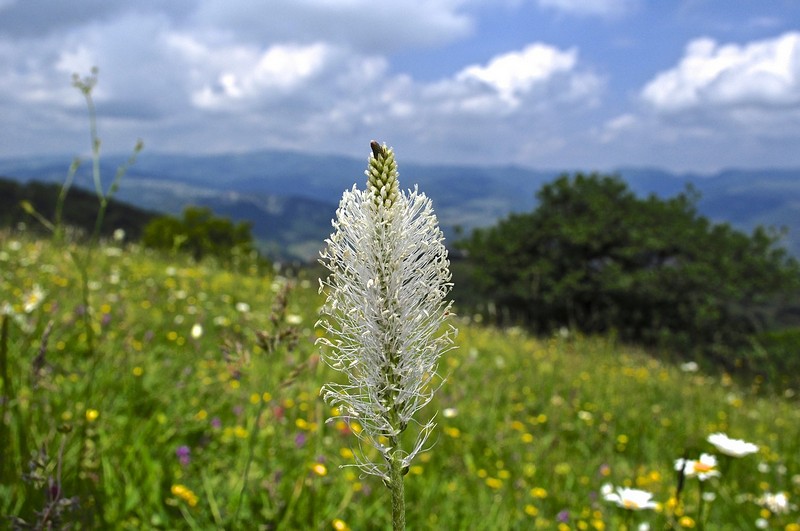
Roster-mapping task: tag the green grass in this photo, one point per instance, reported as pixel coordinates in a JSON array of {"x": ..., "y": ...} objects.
[{"x": 529, "y": 430}]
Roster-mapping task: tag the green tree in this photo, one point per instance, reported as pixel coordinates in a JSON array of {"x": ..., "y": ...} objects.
[
  {"x": 200, "y": 233},
  {"x": 595, "y": 257}
]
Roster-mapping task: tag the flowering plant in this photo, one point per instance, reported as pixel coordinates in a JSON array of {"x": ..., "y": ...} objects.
[
  {"x": 732, "y": 447},
  {"x": 703, "y": 468},
  {"x": 627, "y": 498},
  {"x": 385, "y": 307}
]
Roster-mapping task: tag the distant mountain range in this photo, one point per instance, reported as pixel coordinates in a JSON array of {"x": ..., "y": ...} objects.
[{"x": 291, "y": 197}]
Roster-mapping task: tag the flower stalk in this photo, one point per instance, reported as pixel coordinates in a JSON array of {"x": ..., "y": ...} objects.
[{"x": 383, "y": 318}]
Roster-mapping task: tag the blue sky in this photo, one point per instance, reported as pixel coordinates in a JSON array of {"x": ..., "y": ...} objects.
[{"x": 694, "y": 85}]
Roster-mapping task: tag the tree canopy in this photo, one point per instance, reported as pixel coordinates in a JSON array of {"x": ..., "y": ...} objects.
[
  {"x": 595, "y": 257},
  {"x": 200, "y": 233}
]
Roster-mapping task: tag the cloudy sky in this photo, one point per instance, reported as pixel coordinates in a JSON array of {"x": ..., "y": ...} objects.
[{"x": 566, "y": 84}]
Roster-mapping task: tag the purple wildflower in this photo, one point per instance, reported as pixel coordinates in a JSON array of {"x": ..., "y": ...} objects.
[{"x": 184, "y": 455}]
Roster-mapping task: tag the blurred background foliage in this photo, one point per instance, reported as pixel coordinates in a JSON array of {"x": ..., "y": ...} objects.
[{"x": 595, "y": 258}]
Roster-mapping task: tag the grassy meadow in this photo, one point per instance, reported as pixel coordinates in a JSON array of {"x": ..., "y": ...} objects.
[{"x": 192, "y": 402}]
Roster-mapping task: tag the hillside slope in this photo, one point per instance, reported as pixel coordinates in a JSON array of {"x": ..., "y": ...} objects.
[{"x": 290, "y": 197}]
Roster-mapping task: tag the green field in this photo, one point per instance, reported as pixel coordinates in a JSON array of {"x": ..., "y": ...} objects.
[{"x": 192, "y": 402}]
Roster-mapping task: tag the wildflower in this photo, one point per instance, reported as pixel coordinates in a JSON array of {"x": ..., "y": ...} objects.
[
  {"x": 385, "y": 305},
  {"x": 703, "y": 468},
  {"x": 631, "y": 499},
  {"x": 453, "y": 432},
  {"x": 690, "y": 366},
  {"x": 184, "y": 455},
  {"x": 539, "y": 492},
  {"x": 776, "y": 503},
  {"x": 33, "y": 299},
  {"x": 91, "y": 415},
  {"x": 197, "y": 331},
  {"x": 184, "y": 493},
  {"x": 494, "y": 483},
  {"x": 732, "y": 447},
  {"x": 340, "y": 525}
]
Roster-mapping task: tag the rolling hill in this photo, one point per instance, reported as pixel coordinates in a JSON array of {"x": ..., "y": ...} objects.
[{"x": 290, "y": 197}]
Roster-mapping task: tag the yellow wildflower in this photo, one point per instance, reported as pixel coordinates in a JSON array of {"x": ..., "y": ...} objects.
[{"x": 184, "y": 493}]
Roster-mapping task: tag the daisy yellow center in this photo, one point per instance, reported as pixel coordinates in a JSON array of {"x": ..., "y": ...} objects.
[
  {"x": 699, "y": 466},
  {"x": 630, "y": 504}
]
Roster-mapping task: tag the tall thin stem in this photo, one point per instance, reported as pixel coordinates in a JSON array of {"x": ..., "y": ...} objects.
[
  {"x": 398, "y": 491},
  {"x": 5, "y": 398},
  {"x": 386, "y": 302}
]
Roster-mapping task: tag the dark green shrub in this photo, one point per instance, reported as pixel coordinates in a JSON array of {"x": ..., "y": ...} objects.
[
  {"x": 596, "y": 258},
  {"x": 200, "y": 233}
]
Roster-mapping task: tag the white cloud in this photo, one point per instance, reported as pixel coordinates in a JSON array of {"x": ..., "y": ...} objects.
[
  {"x": 243, "y": 73},
  {"x": 358, "y": 24},
  {"x": 516, "y": 106},
  {"x": 763, "y": 74},
  {"x": 616, "y": 126},
  {"x": 720, "y": 105},
  {"x": 515, "y": 73},
  {"x": 537, "y": 79},
  {"x": 604, "y": 8},
  {"x": 186, "y": 83}
]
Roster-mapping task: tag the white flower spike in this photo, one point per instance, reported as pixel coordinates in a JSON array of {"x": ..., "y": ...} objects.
[{"x": 386, "y": 304}]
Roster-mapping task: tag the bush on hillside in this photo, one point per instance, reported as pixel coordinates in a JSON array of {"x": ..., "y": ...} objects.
[
  {"x": 594, "y": 257},
  {"x": 200, "y": 233}
]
